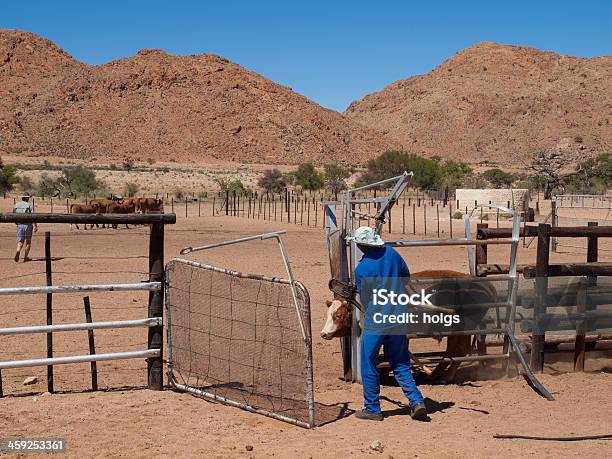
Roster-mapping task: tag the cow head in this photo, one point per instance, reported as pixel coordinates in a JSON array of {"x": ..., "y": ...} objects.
[{"x": 339, "y": 318}]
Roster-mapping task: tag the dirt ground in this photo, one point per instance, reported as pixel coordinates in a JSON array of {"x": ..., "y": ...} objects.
[{"x": 129, "y": 421}]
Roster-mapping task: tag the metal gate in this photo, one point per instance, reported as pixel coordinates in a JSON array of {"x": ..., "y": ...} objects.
[{"x": 241, "y": 339}]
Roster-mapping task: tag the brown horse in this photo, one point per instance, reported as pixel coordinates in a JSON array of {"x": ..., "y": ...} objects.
[{"x": 340, "y": 311}]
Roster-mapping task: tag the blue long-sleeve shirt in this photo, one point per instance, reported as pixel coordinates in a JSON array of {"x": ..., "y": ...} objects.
[{"x": 380, "y": 267}]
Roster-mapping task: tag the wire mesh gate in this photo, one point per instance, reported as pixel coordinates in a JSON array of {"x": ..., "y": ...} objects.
[{"x": 241, "y": 339}]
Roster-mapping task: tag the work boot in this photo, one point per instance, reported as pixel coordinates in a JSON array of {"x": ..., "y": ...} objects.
[
  {"x": 368, "y": 415},
  {"x": 16, "y": 257},
  {"x": 418, "y": 412}
]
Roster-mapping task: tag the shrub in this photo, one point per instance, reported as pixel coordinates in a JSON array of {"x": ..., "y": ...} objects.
[
  {"x": 46, "y": 186},
  {"x": 130, "y": 189},
  {"x": 394, "y": 163},
  {"x": 128, "y": 164},
  {"x": 335, "y": 178},
  {"x": 233, "y": 186},
  {"x": 307, "y": 177},
  {"x": 498, "y": 178},
  {"x": 8, "y": 177},
  {"x": 457, "y": 215},
  {"x": 453, "y": 174},
  {"x": 26, "y": 184},
  {"x": 272, "y": 180},
  {"x": 179, "y": 194}
]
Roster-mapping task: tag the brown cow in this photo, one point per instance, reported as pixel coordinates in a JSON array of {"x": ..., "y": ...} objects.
[
  {"x": 84, "y": 209},
  {"x": 116, "y": 208},
  {"x": 103, "y": 204},
  {"x": 339, "y": 313},
  {"x": 145, "y": 205}
]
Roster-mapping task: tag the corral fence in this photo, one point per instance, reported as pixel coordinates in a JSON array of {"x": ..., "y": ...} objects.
[
  {"x": 241, "y": 339},
  {"x": 580, "y": 306},
  {"x": 155, "y": 286},
  {"x": 578, "y": 210}
]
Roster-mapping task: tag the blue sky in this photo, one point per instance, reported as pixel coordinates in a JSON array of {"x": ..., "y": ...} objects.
[{"x": 330, "y": 51}]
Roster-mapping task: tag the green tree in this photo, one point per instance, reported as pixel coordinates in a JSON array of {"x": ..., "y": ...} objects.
[
  {"x": 594, "y": 174},
  {"x": 130, "y": 189},
  {"x": 548, "y": 164},
  {"x": 231, "y": 186},
  {"x": 335, "y": 178},
  {"x": 46, "y": 186},
  {"x": 498, "y": 178},
  {"x": 453, "y": 174},
  {"x": 78, "y": 180},
  {"x": 394, "y": 163},
  {"x": 272, "y": 180},
  {"x": 307, "y": 177},
  {"x": 8, "y": 177}
]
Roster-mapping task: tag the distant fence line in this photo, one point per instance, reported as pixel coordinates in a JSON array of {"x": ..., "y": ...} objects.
[{"x": 416, "y": 212}]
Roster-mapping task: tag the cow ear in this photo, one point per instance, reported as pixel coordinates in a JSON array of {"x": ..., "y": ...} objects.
[{"x": 328, "y": 303}]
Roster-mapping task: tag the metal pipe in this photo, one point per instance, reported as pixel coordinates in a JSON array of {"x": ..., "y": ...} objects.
[
  {"x": 537, "y": 385},
  {"x": 442, "y": 242},
  {"x": 382, "y": 182},
  {"x": 147, "y": 286},
  {"x": 244, "y": 406},
  {"x": 263, "y": 236},
  {"x": 467, "y": 358},
  {"x": 79, "y": 359},
  {"x": 82, "y": 326}
]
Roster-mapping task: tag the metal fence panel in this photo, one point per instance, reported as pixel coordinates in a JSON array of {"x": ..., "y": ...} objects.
[{"x": 235, "y": 338}]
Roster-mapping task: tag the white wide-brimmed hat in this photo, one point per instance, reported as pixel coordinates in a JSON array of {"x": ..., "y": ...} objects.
[{"x": 365, "y": 235}]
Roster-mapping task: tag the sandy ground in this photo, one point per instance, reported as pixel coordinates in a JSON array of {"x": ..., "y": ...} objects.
[{"x": 137, "y": 422}]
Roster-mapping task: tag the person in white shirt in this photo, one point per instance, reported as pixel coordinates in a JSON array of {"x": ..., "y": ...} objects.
[{"x": 24, "y": 230}]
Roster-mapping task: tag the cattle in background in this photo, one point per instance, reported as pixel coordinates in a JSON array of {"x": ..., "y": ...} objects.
[
  {"x": 116, "y": 208},
  {"x": 103, "y": 203},
  {"x": 84, "y": 209},
  {"x": 146, "y": 205}
]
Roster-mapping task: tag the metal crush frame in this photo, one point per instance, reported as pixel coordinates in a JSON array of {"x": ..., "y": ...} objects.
[
  {"x": 345, "y": 222},
  {"x": 304, "y": 323}
]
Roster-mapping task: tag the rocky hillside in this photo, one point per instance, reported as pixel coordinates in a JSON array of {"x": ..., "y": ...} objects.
[
  {"x": 498, "y": 103},
  {"x": 162, "y": 107}
]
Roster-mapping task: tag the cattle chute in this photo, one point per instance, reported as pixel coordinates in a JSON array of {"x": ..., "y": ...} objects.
[
  {"x": 241, "y": 339},
  {"x": 345, "y": 216}
]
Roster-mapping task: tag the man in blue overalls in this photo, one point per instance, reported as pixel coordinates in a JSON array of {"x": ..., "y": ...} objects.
[{"x": 382, "y": 266}]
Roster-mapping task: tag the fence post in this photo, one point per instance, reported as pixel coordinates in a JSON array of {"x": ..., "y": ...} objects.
[
  {"x": 582, "y": 306},
  {"x": 92, "y": 345},
  {"x": 554, "y": 223},
  {"x": 542, "y": 261},
  {"x": 156, "y": 274},
  {"x": 481, "y": 250},
  {"x": 50, "y": 388},
  {"x": 450, "y": 219},
  {"x": 413, "y": 218}
]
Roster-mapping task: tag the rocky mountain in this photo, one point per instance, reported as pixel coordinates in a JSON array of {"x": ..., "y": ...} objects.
[
  {"x": 500, "y": 104},
  {"x": 156, "y": 106}
]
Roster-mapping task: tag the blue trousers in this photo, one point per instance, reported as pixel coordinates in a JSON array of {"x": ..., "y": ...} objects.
[{"x": 396, "y": 353}]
